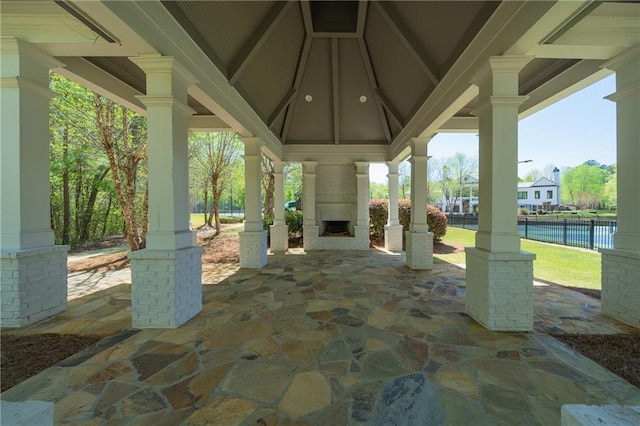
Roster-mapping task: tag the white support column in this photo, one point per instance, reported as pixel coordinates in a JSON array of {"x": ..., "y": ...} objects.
[
  {"x": 166, "y": 275},
  {"x": 393, "y": 229},
  {"x": 279, "y": 230},
  {"x": 621, "y": 265},
  {"x": 419, "y": 240},
  {"x": 310, "y": 228},
  {"x": 361, "y": 229},
  {"x": 33, "y": 271},
  {"x": 499, "y": 276},
  {"x": 253, "y": 241}
]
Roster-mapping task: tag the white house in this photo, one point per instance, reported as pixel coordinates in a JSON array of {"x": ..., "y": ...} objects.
[{"x": 543, "y": 194}]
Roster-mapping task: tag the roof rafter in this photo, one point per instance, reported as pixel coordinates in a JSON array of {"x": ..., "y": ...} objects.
[
  {"x": 393, "y": 112},
  {"x": 362, "y": 17},
  {"x": 305, "y": 8},
  {"x": 417, "y": 52},
  {"x": 302, "y": 63},
  {"x": 282, "y": 106},
  {"x": 257, "y": 39},
  {"x": 364, "y": 52}
]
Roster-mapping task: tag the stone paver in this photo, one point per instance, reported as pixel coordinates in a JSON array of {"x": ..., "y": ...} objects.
[{"x": 322, "y": 338}]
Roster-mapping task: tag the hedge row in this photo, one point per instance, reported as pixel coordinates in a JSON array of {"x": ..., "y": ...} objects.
[
  {"x": 379, "y": 208},
  {"x": 378, "y": 211}
]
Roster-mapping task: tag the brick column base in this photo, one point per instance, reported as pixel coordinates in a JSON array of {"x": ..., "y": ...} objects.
[
  {"x": 253, "y": 249},
  {"x": 500, "y": 289},
  {"x": 310, "y": 237},
  {"x": 393, "y": 237},
  {"x": 166, "y": 288},
  {"x": 33, "y": 284},
  {"x": 279, "y": 239},
  {"x": 419, "y": 250},
  {"x": 620, "y": 286}
]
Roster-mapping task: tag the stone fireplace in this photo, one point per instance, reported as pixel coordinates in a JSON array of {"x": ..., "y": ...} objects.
[{"x": 338, "y": 190}]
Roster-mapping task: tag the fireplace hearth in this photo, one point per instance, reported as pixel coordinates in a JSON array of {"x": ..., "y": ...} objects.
[{"x": 336, "y": 228}]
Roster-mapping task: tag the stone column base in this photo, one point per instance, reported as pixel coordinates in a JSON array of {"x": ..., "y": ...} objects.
[
  {"x": 310, "y": 237},
  {"x": 279, "y": 238},
  {"x": 393, "y": 237},
  {"x": 419, "y": 250},
  {"x": 33, "y": 284},
  {"x": 253, "y": 249},
  {"x": 166, "y": 287},
  {"x": 500, "y": 289},
  {"x": 620, "y": 285}
]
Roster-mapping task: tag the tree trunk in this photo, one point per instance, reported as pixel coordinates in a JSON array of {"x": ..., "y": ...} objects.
[
  {"x": 87, "y": 214},
  {"x": 206, "y": 204},
  {"x": 216, "y": 212},
  {"x": 66, "y": 203},
  {"x": 214, "y": 207},
  {"x": 106, "y": 218}
]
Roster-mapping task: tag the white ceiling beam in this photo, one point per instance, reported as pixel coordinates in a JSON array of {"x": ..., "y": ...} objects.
[
  {"x": 362, "y": 17},
  {"x": 302, "y": 64},
  {"x": 560, "y": 13},
  {"x": 336, "y": 154},
  {"x": 305, "y": 8},
  {"x": 564, "y": 84},
  {"x": 94, "y": 78},
  {"x": 391, "y": 110},
  {"x": 553, "y": 51},
  {"x": 335, "y": 79},
  {"x": 460, "y": 125},
  {"x": 366, "y": 60},
  {"x": 207, "y": 123},
  {"x": 205, "y": 100},
  {"x": 258, "y": 39},
  {"x": 424, "y": 60},
  {"x": 282, "y": 106}
]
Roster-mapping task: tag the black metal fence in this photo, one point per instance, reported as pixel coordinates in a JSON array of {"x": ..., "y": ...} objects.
[{"x": 585, "y": 233}]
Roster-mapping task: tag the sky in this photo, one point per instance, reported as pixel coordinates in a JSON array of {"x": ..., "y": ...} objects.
[{"x": 567, "y": 133}]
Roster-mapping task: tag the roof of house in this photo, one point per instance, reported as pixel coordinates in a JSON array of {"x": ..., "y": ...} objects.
[{"x": 542, "y": 182}]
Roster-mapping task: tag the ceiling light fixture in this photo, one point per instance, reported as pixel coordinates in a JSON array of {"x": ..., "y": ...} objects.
[
  {"x": 308, "y": 98},
  {"x": 363, "y": 99}
]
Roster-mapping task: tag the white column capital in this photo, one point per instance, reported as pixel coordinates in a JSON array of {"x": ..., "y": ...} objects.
[
  {"x": 501, "y": 73},
  {"x": 362, "y": 167},
  {"x": 11, "y": 46},
  {"x": 419, "y": 146},
  {"x": 392, "y": 166},
  {"x": 158, "y": 64},
  {"x": 309, "y": 167},
  {"x": 252, "y": 145},
  {"x": 166, "y": 102}
]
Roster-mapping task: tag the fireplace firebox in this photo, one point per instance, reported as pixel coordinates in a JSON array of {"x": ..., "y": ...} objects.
[{"x": 336, "y": 228}]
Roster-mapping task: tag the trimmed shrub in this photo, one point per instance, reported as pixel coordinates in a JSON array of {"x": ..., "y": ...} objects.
[
  {"x": 378, "y": 211},
  {"x": 294, "y": 221}
]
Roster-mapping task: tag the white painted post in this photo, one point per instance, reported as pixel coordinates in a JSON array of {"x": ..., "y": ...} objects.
[
  {"x": 253, "y": 241},
  {"x": 167, "y": 274},
  {"x": 621, "y": 265},
  {"x": 419, "y": 240},
  {"x": 361, "y": 230},
  {"x": 393, "y": 229},
  {"x": 279, "y": 231},
  {"x": 499, "y": 276},
  {"x": 310, "y": 228},
  {"x": 34, "y": 270}
]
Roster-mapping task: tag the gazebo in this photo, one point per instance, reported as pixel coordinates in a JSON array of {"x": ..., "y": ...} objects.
[{"x": 334, "y": 85}]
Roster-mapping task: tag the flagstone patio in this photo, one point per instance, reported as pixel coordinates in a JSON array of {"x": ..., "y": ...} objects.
[{"x": 327, "y": 338}]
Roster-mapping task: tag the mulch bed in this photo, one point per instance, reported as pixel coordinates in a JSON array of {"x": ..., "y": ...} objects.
[
  {"x": 26, "y": 356},
  {"x": 619, "y": 353}
]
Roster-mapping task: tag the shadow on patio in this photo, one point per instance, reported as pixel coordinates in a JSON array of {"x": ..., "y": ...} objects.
[{"x": 327, "y": 338}]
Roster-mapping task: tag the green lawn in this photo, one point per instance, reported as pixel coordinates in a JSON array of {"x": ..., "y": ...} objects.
[{"x": 561, "y": 265}]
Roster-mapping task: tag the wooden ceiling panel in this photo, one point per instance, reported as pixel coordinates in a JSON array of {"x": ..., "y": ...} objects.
[
  {"x": 269, "y": 76},
  {"x": 359, "y": 119},
  {"x": 401, "y": 79},
  {"x": 312, "y": 121}
]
